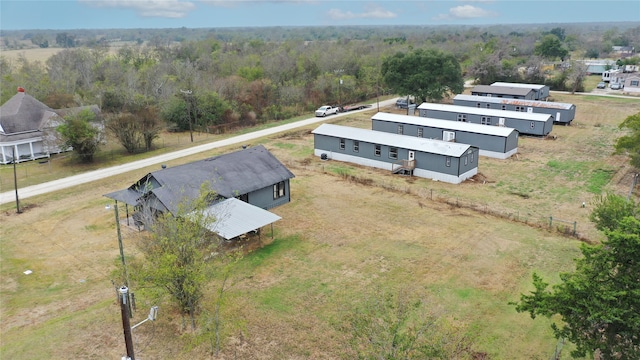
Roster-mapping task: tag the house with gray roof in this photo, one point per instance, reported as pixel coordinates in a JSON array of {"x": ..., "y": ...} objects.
[
  {"x": 562, "y": 113},
  {"x": 27, "y": 128},
  {"x": 526, "y": 123},
  {"x": 492, "y": 141},
  {"x": 432, "y": 159},
  {"x": 252, "y": 175}
]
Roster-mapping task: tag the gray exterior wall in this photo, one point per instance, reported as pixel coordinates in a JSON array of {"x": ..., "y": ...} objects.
[
  {"x": 263, "y": 198},
  {"x": 565, "y": 116},
  {"x": 523, "y": 126},
  {"x": 489, "y": 145},
  {"x": 426, "y": 163},
  {"x": 530, "y": 96}
]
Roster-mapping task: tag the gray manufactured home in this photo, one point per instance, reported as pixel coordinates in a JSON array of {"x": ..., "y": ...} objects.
[
  {"x": 504, "y": 92},
  {"x": 541, "y": 92},
  {"x": 432, "y": 159},
  {"x": 492, "y": 141},
  {"x": 524, "y": 122},
  {"x": 563, "y": 113}
]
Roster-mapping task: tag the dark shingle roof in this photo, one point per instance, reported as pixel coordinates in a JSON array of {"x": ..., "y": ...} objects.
[
  {"x": 229, "y": 175},
  {"x": 23, "y": 113}
]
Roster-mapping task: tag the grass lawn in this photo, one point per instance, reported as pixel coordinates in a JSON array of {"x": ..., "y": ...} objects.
[{"x": 348, "y": 232}]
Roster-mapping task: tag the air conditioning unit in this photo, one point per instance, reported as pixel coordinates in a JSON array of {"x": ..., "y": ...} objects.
[{"x": 449, "y": 136}]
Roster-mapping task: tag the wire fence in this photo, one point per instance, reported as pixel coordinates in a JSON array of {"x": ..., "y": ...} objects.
[{"x": 568, "y": 228}]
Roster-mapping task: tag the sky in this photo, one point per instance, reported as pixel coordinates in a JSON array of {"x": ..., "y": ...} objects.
[{"x": 129, "y": 14}]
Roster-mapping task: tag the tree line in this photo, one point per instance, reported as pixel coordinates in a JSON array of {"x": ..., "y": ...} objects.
[{"x": 215, "y": 80}]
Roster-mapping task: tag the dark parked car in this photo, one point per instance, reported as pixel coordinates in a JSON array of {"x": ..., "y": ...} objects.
[{"x": 402, "y": 103}]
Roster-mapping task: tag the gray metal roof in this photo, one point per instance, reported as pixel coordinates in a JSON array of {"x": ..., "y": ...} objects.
[
  {"x": 445, "y": 124},
  {"x": 520, "y": 85},
  {"x": 402, "y": 141},
  {"x": 502, "y": 90},
  {"x": 487, "y": 112},
  {"x": 523, "y": 102},
  {"x": 234, "y": 217}
]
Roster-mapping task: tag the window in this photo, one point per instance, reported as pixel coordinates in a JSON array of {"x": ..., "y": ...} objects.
[
  {"x": 341, "y": 144},
  {"x": 466, "y": 160},
  {"x": 520, "y": 108},
  {"x": 377, "y": 150},
  {"x": 477, "y": 105},
  {"x": 278, "y": 190},
  {"x": 356, "y": 145},
  {"x": 393, "y": 153},
  {"x": 634, "y": 83},
  {"x": 447, "y": 161},
  {"x": 471, "y": 154},
  {"x": 420, "y": 130},
  {"x": 400, "y": 129},
  {"x": 485, "y": 120},
  {"x": 533, "y": 124},
  {"x": 462, "y": 117},
  {"x": 504, "y": 107},
  {"x": 488, "y": 106}
]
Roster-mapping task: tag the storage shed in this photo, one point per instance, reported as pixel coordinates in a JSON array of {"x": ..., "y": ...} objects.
[
  {"x": 504, "y": 92},
  {"x": 433, "y": 159},
  {"x": 492, "y": 141},
  {"x": 541, "y": 92},
  {"x": 562, "y": 113},
  {"x": 524, "y": 122}
]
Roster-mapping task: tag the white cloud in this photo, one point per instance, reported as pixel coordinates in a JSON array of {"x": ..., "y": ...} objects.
[
  {"x": 371, "y": 12},
  {"x": 465, "y": 12},
  {"x": 148, "y": 8}
]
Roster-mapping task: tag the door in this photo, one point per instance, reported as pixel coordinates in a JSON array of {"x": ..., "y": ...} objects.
[
  {"x": 529, "y": 110},
  {"x": 558, "y": 116},
  {"x": 412, "y": 155},
  {"x": 501, "y": 122}
]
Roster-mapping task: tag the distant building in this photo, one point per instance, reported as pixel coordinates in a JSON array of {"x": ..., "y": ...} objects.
[
  {"x": 27, "y": 128},
  {"x": 504, "y": 92},
  {"x": 563, "y": 113},
  {"x": 525, "y": 122},
  {"x": 492, "y": 141},
  {"x": 541, "y": 92}
]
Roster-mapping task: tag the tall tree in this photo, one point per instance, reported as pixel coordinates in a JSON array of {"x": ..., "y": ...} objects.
[
  {"x": 551, "y": 48},
  {"x": 81, "y": 132},
  {"x": 428, "y": 75},
  {"x": 610, "y": 209},
  {"x": 599, "y": 302},
  {"x": 630, "y": 144}
]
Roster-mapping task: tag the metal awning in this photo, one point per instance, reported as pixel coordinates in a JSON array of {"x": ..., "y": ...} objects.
[
  {"x": 235, "y": 217},
  {"x": 127, "y": 196}
]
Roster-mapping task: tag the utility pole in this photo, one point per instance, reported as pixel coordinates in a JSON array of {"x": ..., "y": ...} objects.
[
  {"x": 126, "y": 325},
  {"x": 124, "y": 263},
  {"x": 15, "y": 179},
  {"x": 187, "y": 97}
]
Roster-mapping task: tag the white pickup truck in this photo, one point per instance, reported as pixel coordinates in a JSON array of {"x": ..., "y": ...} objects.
[{"x": 327, "y": 110}]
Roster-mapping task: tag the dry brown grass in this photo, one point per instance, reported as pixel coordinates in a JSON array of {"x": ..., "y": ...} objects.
[{"x": 339, "y": 236}]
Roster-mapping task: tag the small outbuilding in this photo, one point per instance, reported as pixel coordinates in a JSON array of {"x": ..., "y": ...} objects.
[
  {"x": 433, "y": 159},
  {"x": 525, "y": 122},
  {"x": 492, "y": 141},
  {"x": 562, "y": 113}
]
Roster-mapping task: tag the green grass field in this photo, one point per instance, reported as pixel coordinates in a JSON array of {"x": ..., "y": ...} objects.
[{"x": 348, "y": 231}]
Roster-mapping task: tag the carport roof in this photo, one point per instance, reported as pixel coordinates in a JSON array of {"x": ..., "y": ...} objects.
[{"x": 235, "y": 217}]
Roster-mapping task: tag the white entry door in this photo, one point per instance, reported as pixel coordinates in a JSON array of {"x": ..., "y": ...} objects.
[{"x": 412, "y": 155}]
